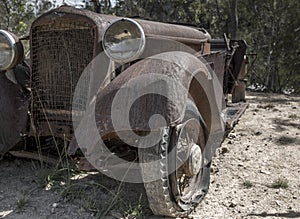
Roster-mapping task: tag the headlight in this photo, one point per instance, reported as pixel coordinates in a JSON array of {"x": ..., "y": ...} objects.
[
  {"x": 124, "y": 40},
  {"x": 11, "y": 50}
]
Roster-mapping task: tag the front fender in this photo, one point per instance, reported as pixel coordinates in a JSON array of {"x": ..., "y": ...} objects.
[{"x": 160, "y": 84}]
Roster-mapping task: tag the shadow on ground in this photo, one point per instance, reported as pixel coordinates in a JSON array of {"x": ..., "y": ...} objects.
[{"x": 290, "y": 214}]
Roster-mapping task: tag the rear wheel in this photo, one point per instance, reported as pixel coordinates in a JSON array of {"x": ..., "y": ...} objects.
[{"x": 177, "y": 162}]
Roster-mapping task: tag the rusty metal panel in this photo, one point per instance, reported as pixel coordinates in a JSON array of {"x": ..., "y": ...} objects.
[
  {"x": 14, "y": 108},
  {"x": 171, "y": 108},
  {"x": 217, "y": 63},
  {"x": 232, "y": 74},
  {"x": 180, "y": 33}
]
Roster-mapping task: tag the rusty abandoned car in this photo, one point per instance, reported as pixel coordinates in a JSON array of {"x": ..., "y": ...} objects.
[{"x": 170, "y": 81}]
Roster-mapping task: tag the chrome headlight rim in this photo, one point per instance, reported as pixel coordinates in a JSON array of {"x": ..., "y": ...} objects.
[
  {"x": 142, "y": 39},
  {"x": 17, "y": 50}
]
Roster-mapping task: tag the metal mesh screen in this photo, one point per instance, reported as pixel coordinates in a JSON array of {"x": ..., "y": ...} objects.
[{"x": 60, "y": 53}]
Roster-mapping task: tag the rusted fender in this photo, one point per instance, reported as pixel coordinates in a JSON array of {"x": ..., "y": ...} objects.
[
  {"x": 159, "y": 84},
  {"x": 14, "y": 102}
]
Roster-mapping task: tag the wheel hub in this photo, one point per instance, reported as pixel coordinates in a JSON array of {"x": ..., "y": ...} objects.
[{"x": 194, "y": 162}]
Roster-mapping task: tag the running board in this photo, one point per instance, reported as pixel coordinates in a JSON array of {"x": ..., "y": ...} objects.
[{"x": 232, "y": 113}]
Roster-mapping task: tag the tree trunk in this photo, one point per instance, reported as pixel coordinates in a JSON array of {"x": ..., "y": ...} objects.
[
  {"x": 234, "y": 19},
  {"x": 219, "y": 15}
]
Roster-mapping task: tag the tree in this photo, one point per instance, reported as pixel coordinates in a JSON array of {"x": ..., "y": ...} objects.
[
  {"x": 40, "y": 6},
  {"x": 182, "y": 11},
  {"x": 271, "y": 28},
  {"x": 234, "y": 18},
  {"x": 16, "y": 16}
]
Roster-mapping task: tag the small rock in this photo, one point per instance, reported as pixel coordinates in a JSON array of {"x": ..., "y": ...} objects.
[
  {"x": 243, "y": 134},
  {"x": 232, "y": 135},
  {"x": 294, "y": 197},
  {"x": 92, "y": 182},
  {"x": 116, "y": 214},
  {"x": 54, "y": 205},
  {"x": 224, "y": 150},
  {"x": 258, "y": 133},
  {"x": 245, "y": 175},
  {"x": 232, "y": 204},
  {"x": 18, "y": 162},
  {"x": 214, "y": 169},
  {"x": 265, "y": 172}
]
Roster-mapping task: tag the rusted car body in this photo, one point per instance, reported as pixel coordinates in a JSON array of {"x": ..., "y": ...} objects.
[{"x": 39, "y": 100}]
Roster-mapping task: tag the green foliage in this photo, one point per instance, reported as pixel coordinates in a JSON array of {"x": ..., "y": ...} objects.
[
  {"x": 280, "y": 183},
  {"x": 21, "y": 202},
  {"x": 293, "y": 116},
  {"x": 135, "y": 211},
  {"x": 106, "y": 6},
  {"x": 270, "y": 27},
  {"x": 17, "y": 15},
  {"x": 184, "y": 11},
  {"x": 247, "y": 184}
]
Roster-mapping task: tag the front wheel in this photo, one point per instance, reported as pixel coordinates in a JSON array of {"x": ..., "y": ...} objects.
[{"x": 174, "y": 169}]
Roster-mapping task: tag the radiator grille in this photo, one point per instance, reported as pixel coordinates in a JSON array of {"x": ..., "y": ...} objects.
[{"x": 60, "y": 53}]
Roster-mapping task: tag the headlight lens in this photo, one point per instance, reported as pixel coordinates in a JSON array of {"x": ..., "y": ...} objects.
[
  {"x": 11, "y": 50},
  {"x": 124, "y": 40}
]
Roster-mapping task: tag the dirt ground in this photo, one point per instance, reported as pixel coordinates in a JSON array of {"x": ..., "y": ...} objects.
[{"x": 255, "y": 174}]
